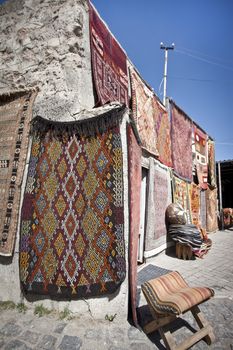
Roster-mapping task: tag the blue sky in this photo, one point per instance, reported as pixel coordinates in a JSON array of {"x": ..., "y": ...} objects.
[{"x": 200, "y": 69}]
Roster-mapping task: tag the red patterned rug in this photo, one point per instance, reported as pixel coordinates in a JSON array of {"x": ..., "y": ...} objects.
[
  {"x": 144, "y": 112},
  {"x": 211, "y": 164},
  {"x": 195, "y": 203},
  {"x": 15, "y": 116},
  {"x": 162, "y": 125},
  {"x": 181, "y": 140},
  {"x": 108, "y": 63},
  {"x": 72, "y": 225},
  {"x": 135, "y": 176},
  {"x": 200, "y": 139}
]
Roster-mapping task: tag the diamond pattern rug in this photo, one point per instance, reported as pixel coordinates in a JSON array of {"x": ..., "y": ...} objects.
[{"x": 72, "y": 227}]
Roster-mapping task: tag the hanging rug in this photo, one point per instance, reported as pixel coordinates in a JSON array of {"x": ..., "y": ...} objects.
[{"x": 72, "y": 225}]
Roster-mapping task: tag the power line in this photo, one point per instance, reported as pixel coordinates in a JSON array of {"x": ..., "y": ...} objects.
[
  {"x": 224, "y": 143},
  {"x": 212, "y": 58},
  {"x": 203, "y": 59},
  {"x": 201, "y": 80}
]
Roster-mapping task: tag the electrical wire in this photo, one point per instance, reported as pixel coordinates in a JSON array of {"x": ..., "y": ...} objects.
[
  {"x": 203, "y": 59},
  {"x": 198, "y": 53},
  {"x": 224, "y": 143},
  {"x": 201, "y": 80},
  {"x": 160, "y": 85}
]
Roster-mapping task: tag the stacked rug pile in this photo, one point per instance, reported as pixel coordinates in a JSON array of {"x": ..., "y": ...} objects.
[{"x": 189, "y": 234}]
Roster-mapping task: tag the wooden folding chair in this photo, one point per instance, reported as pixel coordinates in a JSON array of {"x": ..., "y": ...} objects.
[{"x": 168, "y": 297}]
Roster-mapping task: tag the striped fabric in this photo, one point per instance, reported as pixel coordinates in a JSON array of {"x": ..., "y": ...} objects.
[{"x": 170, "y": 294}]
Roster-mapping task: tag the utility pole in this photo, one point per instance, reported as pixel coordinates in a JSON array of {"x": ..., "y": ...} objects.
[{"x": 165, "y": 48}]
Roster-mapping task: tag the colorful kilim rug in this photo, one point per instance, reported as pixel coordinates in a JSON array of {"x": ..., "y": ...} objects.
[
  {"x": 159, "y": 198},
  {"x": 181, "y": 196},
  {"x": 203, "y": 208},
  {"x": 195, "y": 203},
  {"x": 200, "y": 139},
  {"x": 163, "y": 127},
  {"x": 135, "y": 176},
  {"x": 211, "y": 210},
  {"x": 211, "y": 164},
  {"x": 144, "y": 112},
  {"x": 181, "y": 141},
  {"x": 15, "y": 115},
  {"x": 108, "y": 63},
  {"x": 72, "y": 225}
]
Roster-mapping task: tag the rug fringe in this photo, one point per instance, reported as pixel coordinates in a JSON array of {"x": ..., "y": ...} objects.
[{"x": 89, "y": 126}]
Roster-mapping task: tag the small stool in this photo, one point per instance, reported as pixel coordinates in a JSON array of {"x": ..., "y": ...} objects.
[
  {"x": 184, "y": 251},
  {"x": 169, "y": 297}
]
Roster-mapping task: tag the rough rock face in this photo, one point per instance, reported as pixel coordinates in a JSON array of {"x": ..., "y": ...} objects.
[{"x": 45, "y": 43}]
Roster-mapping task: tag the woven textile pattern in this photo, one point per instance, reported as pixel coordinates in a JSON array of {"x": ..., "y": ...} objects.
[
  {"x": 211, "y": 164},
  {"x": 163, "y": 134},
  {"x": 108, "y": 63},
  {"x": 135, "y": 175},
  {"x": 144, "y": 112},
  {"x": 195, "y": 203},
  {"x": 181, "y": 140},
  {"x": 159, "y": 197},
  {"x": 162, "y": 198},
  {"x": 72, "y": 233},
  {"x": 15, "y": 115},
  {"x": 211, "y": 210},
  {"x": 181, "y": 196},
  {"x": 201, "y": 157},
  {"x": 203, "y": 208},
  {"x": 170, "y": 294}
]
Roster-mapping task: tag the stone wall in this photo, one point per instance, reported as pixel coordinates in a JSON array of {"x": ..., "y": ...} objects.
[{"x": 45, "y": 44}]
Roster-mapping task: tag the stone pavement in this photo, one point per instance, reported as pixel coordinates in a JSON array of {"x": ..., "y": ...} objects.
[{"x": 25, "y": 330}]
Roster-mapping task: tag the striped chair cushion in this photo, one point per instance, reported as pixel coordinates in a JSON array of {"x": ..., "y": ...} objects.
[{"x": 170, "y": 294}]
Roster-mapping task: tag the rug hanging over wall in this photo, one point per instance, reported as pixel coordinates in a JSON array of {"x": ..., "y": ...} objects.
[
  {"x": 211, "y": 164},
  {"x": 144, "y": 112},
  {"x": 200, "y": 139},
  {"x": 108, "y": 63},
  {"x": 159, "y": 197},
  {"x": 72, "y": 226},
  {"x": 181, "y": 196},
  {"x": 211, "y": 210},
  {"x": 162, "y": 126},
  {"x": 15, "y": 115},
  {"x": 135, "y": 176},
  {"x": 181, "y": 140},
  {"x": 203, "y": 208},
  {"x": 195, "y": 203}
]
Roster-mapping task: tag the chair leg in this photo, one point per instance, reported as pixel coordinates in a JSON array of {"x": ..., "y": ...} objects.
[
  {"x": 168, "y": 339},
  {"x": 202, "y": 322},
  {"x": 157, "y": 323}
]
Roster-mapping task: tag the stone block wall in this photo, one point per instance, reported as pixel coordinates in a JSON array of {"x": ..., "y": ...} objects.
[{"x": 45, "y": 43}]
